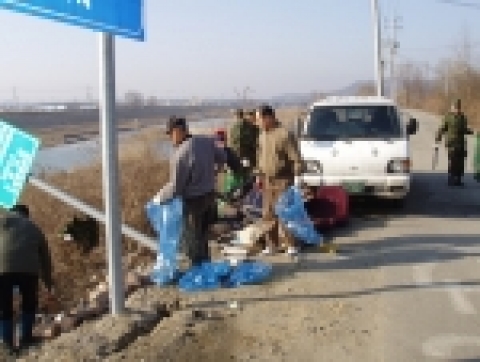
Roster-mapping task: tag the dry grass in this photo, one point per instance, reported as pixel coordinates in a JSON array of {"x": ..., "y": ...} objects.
[{"x": 142, "y": 174}]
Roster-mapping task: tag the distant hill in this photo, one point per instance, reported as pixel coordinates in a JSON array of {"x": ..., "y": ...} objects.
[{"x": 307, "y": 98}]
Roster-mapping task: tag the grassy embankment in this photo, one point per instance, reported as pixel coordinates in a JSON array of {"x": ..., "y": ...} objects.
[{"x": 142, "y": 174}]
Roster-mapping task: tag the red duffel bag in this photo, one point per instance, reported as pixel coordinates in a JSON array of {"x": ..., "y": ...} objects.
[{"x": 329, "y": 207}]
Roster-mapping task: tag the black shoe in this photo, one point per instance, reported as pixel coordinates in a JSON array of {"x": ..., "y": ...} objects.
[
  {"x": 458, "y": 181},
  {"x": 30, "y": 344}
]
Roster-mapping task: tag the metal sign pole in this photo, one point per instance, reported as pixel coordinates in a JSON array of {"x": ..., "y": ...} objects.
[{"x": 110, "y": 173}]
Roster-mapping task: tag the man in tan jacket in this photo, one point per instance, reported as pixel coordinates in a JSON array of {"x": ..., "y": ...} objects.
[{"x": 278, "y": 161}]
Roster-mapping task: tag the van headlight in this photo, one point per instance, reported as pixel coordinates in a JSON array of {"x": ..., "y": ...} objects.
[
  {"x": 400, "y": 165},
  {"x": 313, "y": 166}
]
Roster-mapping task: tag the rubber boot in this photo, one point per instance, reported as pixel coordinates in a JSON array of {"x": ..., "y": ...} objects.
[
  {"x": 458, "y": 181},
  {"x": 451, "y": 181},
  {"x": 26, "y": 330},
  {"x": 6, "y": 332}
]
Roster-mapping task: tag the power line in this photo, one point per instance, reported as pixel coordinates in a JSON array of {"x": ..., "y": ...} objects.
[
  {"x": 442, "y": 47},
  {"x": 461, "y": 3}
]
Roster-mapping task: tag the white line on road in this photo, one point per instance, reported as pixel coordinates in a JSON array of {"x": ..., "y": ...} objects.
[
  {"x": 442, "y": 346},
  {"x": 422, "y": 274},
  {"x": 457, "y": 294}
]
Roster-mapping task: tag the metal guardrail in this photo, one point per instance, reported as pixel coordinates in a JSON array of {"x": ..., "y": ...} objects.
[{"x": 89, "y": 210}]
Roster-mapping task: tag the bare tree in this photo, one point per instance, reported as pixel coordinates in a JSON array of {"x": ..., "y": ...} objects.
[
  {"x": 367, "y": 89},
  {"x": 152, "y": 101},
  {"x": 133, "y": 98}
]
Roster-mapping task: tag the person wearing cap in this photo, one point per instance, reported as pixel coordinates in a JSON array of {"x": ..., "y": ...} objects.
[
  {"x": 251, "y": 117},
  {"x": 454, "y": 128},
  {"x": 279, "y": 161},
  {"x": 192, "y": 178},
  {"x": 24, "y": 258}
]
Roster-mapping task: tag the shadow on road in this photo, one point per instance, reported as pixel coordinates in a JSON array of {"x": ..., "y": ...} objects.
[
  {"x": 408, "y": 250},
  {"x": 430, "y": 196},
  {"x": 405, "y": 250},
  {"x": 339, "y": 295},
  {"x": 428, "y": 192}
]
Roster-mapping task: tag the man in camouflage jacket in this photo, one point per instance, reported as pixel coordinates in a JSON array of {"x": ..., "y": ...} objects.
[
  {"x": 243, "y": 140},
  {"x": 453, "y": 129}
]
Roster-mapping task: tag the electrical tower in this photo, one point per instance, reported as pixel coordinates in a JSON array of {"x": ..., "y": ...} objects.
[
  {"x": 377, "y": 39},
  {"x": 15, "y": 97},
  {"x": 393, "y": 45}
]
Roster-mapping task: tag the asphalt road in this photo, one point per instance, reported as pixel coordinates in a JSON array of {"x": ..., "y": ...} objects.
[{"x": 427, "y": 258}]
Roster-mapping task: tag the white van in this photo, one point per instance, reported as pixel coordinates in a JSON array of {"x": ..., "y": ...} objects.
[{"x": 360, "y": 143}]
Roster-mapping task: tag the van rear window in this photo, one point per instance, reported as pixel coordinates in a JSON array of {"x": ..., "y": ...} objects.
[{"x": 353, "y": 122}]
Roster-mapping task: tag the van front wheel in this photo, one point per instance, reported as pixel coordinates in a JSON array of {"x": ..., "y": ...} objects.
[{"x": 397, "y": 203}]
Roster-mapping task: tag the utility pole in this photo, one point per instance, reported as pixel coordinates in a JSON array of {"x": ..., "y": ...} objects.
[
  {"x": 15, "y": 97},
  {"x": 377, "y": 48},
  {"x": 88, "y": 94},
  {"x": 393, "y": 44}
]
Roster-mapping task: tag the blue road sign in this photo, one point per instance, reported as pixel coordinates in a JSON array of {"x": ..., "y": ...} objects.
[
  {"x": 118, "y": 17},
  {"x": 17, "y": 152}
]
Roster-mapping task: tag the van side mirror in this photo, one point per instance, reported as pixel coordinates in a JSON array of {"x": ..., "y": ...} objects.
[{"x": 412, "y": 126}]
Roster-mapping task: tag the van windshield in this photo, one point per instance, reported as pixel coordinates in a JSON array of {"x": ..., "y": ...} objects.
[{"x": 353, "y": 122}]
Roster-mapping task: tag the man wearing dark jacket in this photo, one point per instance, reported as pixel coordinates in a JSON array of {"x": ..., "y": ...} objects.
[
  {"x": 192, "y": 178},
  {"x": 24, "y": 257}
]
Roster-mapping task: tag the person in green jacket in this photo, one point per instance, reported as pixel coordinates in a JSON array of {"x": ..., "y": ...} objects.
[
  {"x": 454, "y": 128},
  {"x": 24, "y": 257},
  {"x": 243, "y": 140}
]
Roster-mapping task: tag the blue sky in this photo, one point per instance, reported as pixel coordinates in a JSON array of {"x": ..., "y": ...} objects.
[{"x": 207, "y": 48}]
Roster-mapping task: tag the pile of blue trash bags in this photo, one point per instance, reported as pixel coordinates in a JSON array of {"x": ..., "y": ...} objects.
[
  {"x": 221, "y": 274},
  {"x": 166, "y": 220}
]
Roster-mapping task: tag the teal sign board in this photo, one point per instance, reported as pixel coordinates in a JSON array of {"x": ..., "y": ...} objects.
[{"x": 17, "y": 152}]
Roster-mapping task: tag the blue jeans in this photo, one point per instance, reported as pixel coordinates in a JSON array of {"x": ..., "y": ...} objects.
[{"x": 28, "y": 287}]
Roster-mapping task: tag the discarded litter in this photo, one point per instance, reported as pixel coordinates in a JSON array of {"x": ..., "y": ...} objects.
[
  {"x": 233, "y": 305},
  {"x": 291, "y": 211},
  {"x": 166, "y": 220}
]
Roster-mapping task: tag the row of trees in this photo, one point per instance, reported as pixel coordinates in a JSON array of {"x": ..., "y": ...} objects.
[
  {"x": 421, "y": 85},
  {"x": 137, "y": 99}
]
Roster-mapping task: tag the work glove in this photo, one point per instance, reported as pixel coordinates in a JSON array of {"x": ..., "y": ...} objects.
[
  {"x": 157, "y": 199},
  {"x": 245, "y": 162}
]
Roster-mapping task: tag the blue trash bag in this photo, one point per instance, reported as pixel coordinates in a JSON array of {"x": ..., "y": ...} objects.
[
  {"x": 249, "y": 272},
  {"x": 290, "y": 209},
  {"x": 166, "y": 220},
  {"x": 207, "y": 276}
]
